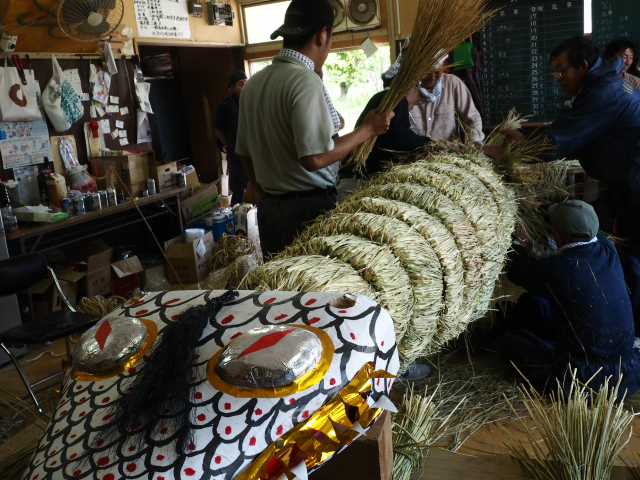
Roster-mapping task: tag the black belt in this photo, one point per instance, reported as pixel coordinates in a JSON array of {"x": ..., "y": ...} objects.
[{"x": 316, "y": 192}]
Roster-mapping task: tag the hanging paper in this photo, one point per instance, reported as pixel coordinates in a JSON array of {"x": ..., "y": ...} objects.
[
  {"x": 144, "y": 129},
  {"x": 162, "y": 18},
  {"x": 24, "y": 143},
  {"x": 142, "y": 92},
  {"x": 101, "y": 87}
]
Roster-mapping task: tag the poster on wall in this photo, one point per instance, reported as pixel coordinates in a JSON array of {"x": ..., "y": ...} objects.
[
  {"x": 24, "y": 143},
  {"x": 162, "y": 18}
]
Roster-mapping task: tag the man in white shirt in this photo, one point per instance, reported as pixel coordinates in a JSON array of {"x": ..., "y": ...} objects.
[
  {"x": 286, "y": 125},
  {"x": 443, "y": 97}
]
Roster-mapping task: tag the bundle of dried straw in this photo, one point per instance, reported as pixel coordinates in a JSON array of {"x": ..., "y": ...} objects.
[{"x": 440, "y": 26}]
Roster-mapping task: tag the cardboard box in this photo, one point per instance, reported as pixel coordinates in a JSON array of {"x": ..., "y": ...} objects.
[
  {"x": 47, "y": 299},
  {"x": 190, "y": 260},
  {"x": 133, "y": 169},
  {"x": 97, "y": 255},
  {"x": 245, "y": 219},
  {"x": 191, "y": 174},
  {"x": 163, "y": 173},
  {"x": 204, "y": 200},
  {"x": 125, "y": 277}
]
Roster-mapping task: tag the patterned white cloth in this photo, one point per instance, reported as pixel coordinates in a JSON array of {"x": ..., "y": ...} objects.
[
  {"x": 432, "y": 94},
  {"x": 287, "y": 52}
]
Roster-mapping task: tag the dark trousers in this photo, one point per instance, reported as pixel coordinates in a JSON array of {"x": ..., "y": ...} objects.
[
  {"x": 238, "y": 182},
  {"x": 279, "y": 221},
  {"x": 529, "y": 345}
]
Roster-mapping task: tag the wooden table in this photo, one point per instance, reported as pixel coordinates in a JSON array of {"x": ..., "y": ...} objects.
[{"x": 34, "y": 237}]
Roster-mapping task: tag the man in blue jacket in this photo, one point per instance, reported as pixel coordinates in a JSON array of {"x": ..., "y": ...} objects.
[
  {"x": 603, "y": 131},
  {"x": 576, "y": 310}
]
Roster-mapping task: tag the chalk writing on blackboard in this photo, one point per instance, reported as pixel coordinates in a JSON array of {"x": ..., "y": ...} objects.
[
  {"x": 162, "y": 18},
  {"x": 613, "y": 19},
  {"x": 516, "y": 44}
]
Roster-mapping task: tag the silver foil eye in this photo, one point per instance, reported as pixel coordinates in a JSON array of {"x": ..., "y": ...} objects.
[
  {"x": 121, "y": 339},
  {"x": 270, "y": 356}
]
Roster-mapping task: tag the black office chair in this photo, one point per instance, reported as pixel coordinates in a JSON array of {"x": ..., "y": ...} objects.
[{"x": 20, "y": 273}]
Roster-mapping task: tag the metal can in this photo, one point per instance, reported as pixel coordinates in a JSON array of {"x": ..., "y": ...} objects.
[
  {"x": 151, "y": 186},
  {"x": 78, "y": 206},
  {"x": 104, "y": 200},
  {"x": 111, "y": 197},
  {"x": 12, "y": 224},
  {"x": 145, "y": 193},
  {"x": 94, "y": 203},
  {"x": 6, "y": 212},
  {"x": 182, "y": 179},
  {"x": 67, "y": 206},
  {"x": 120, "y": 195}
]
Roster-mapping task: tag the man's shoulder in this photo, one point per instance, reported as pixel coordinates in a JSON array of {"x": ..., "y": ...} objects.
[{"x": 449, "y": 79}]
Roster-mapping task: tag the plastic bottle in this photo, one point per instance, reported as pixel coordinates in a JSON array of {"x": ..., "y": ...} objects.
[{"x": 42, "y": 182}]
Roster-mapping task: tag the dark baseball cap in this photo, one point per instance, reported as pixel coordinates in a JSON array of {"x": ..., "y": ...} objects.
[
  {"x": 575, "y": 220},
  {"x": 237, "y": 76},
  {"x": 302, "y": 16}
]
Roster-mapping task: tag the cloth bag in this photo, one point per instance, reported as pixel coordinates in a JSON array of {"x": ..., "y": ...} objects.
[
  {"x": 462, "y": 57},
  {"x": 18, "y": 102},
  {"x": 61, "y": 102}
]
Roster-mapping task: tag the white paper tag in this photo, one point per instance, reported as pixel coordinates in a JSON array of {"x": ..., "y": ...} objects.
[
  {"x": 119, "y": 124},
  {"x": 123, "y": 133},
  {"x": 201, "y": 249},
  {"x": 104, "y": 125},
  {"x": 94, "y": 113},
  {"x": 124, "y": 110},
  {"x": 115, "y": 134},
  {"x": 124, "y": 141},
  {"x": 114, "y": 99},
  {"x": 100, "y": 111},
  {"x": 367, "y": 47}
]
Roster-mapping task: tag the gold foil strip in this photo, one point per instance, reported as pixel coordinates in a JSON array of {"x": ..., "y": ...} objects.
[
  {"x": 322, "y": 434},
  {"x": 152, "y": 335},
  {"x": 306, "y": 381}
]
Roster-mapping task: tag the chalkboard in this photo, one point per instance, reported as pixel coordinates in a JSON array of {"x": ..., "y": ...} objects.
[
  {"x": 516, "y": 45},
  {"x": 613, "y": 19}
]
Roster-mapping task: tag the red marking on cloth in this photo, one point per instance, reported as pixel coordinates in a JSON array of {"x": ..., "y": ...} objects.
[
  {"x": 353, "y": 337},
  {"x": 106, "y": 417},
  {"x": 281, "y": 316},
  {"x": 171, "y": 301},
  {"x": 342, "y": 311},
  {"x": 132, "y": 370},
  {"x": 132, "y": 448},
  {"x": 160, "y": 478},
  {"x": 73, "y": 455},
  {"x": 202, "y": 417},
  {"x": 103, "y": 461},
  {"x": 139, "y": 302},
  {"x": 198, "y": 395},
  {"x": 270, "y": 301},
  {"x": 218, "y": 459},
  {"x": 163, "y": 430},
  {"x": 36, "y": 477},
  {"x": 378, "y": 382},
  {"x": 108, "y": 476},
  {"x": 136, "y": 425},
  {"x": 131, "y": 467},
  {"x": 195, "y": 357},
  {"x": 77, "y": 472},
  {"x": 193, "y": 379},
  {"x": 235, "y": 335},
  {"x": 63, "y": 413},
  {"x": 227, "y": 430},
  {"x": 82, "y": 414},
  {"x": 73, "y": 436},
  {"x": 79, "y": 387},
  {"x": 56, "y": 431},
  {"x": 227, "y": 406},
  {"x": 160, "y": 458},
  {"x": 100, "y": 387},
  {"x": 305, "y": 414},
  {"x": 103, "y": 333},
  {"x": 52, "y": 453},
  {"x": 63, "y": 402},
  {"x": 175, "y": 317},
  {"x": 252, "y": 442},
  {"x": 292, "y": 400},
  {"x": 258, "y": 411},
  {"x": 332, "y": 381},
  {"x": 313, "y": 320},
  {"x": 190, "y": 472},
  {"x": 382, "y": 343},
  {"x": 266, "y": 341},
  {"x": 165, "y": 411},
  {"x": 142, "y": 312},
  {"x": 53, "y": 463},
  {"x": 100, "y": 442},
  {"x": 83, "y": 399},
  {"x": 191, "y": 446},
  {"x": 226, "y": 319},
  {"x": 129, "y": 389},
  {"x": 106, "y": 399},
  {"x": 279, "y": 430},
  {"x": 310, "y": 302}
]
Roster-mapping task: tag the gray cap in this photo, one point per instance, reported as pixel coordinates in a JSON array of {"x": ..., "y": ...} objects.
[{"x": 574, "y": 220}]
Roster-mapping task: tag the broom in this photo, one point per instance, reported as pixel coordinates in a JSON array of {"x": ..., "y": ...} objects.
[{"x": 441, "y": 25}]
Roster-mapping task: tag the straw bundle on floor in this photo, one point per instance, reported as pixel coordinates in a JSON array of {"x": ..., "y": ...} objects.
[
  {"x": 582, "y": 433},
  {"x": 418, "y": 259},
  {"x": 377, "y": 265},
  {"x": 459, "y": 299},
  {"x": 307, "y": 274},
  {"x": 440, "y": 26}
]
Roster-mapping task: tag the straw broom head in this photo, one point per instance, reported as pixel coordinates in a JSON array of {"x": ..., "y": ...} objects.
[{"x": 441, "y": 25}]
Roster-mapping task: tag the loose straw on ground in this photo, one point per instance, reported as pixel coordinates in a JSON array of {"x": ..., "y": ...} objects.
[{"x": 440, "y": 26}]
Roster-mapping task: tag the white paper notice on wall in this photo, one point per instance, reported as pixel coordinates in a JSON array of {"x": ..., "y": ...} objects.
[
  {"x": 100, "y": 110},
  {"x": 119, "y": 124},
  {"x": 124, "y": 111},
  {"x": 114, "y": 99},
  {"x": 123, "y": 133},
  {"x": 162, "y": 18},
  {"x": 124, "y": 141},
  {"x": 115, "y": 134},
  {"x": 94, "y": 113},
  {"x": 104, "y": 125}
]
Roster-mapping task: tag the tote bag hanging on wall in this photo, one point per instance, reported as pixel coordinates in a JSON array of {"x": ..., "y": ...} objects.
[
  {"x": 18, "y": 102},
  {"x": 60, "y": 100}
]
